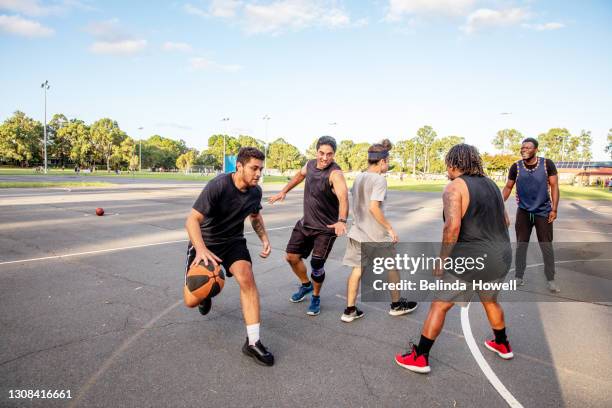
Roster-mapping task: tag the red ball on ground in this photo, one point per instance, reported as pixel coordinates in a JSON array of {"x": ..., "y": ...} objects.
[{"x": 99, "y": 211}]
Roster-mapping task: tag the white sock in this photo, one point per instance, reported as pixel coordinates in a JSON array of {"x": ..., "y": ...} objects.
[{"x": 253, "y": 333}]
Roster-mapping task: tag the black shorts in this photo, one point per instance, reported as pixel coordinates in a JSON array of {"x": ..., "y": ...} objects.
[
  {"x": 303, "y": 241},
  {"x": 229, "y": 253}
]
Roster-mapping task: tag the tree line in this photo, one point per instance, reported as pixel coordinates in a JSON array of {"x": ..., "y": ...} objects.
[{"x": 102, "y": 144}]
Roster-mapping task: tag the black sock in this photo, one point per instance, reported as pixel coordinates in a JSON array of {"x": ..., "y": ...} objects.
[
  {"x": 424, "y": 345},
  {"x": 500, "y": 336},
  {"x": 350, "y": 309},
  {"x": 307, "y": 285}
]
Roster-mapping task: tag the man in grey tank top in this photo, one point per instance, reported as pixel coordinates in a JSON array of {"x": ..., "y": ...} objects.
[
  {"x": 370, "y": 225},
  {"x": 474, "y": 214},
  {"x": 326, "y": 209}
]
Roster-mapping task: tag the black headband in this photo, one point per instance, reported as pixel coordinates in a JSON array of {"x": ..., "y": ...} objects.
[{"x": 378, "y": 155}]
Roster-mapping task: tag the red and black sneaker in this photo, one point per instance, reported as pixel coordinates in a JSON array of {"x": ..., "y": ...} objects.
[
  {"x": 503, "y": 350},
  {"x": 413, "y": 362}
]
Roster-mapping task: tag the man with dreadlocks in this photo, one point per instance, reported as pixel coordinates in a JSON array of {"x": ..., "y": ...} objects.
[{"x": 475, "y": 222}]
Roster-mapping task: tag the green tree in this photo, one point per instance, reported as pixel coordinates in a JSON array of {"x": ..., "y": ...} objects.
[
  {"x": 359, "y": 157},
  {"x": 311, "y": 151},
  {"x": 499, "y": 162},
  {"x": 186, "y": 160},
  {"x": 58, "y": 146},
  {"x": 343, "y": 154},
  {"x": 585, "y": 145},
  {"x": 284, "y": 156},
  {"x": 215, "y": 148},
  {"x": 508, "y": 141},
  {"x": 403, "y": 153},
  {"x": 559, "y": 145},
  {"x": 249, "y": 141},
  {"x": 439, "y": 149},
  {"x": 609, "y": 146},
  {"x": 425, "y": 139},
  {"x": 20, "y": 139},
  {"x": 105, "y": 135},
  {"x": 77, "y": 136},
  {"x": 159, "y": 151}
]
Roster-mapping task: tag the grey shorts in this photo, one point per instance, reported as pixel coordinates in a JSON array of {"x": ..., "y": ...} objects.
[{"x": 352, "y": 255}]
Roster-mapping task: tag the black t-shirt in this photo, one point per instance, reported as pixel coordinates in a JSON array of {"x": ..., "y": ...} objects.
[
  {"x": 224, "y": 208},
  {"x": 551, "y": 169}
]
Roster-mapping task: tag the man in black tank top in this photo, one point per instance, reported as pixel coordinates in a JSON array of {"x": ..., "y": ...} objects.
[
  {"x": 474, "y": 216},
  {"x": 325, "y": 213}
]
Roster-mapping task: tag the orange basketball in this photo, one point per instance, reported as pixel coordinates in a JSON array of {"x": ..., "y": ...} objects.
[{"x": 202, "y": 282}]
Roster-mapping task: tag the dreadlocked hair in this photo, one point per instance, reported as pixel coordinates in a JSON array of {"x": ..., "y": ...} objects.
[
  {"x": 384, "y": 145},
  {"x": 466, "y": 159}
]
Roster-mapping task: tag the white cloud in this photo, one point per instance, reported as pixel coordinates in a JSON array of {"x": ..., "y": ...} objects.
[
  {"x": 277, "y": 15},
  {"x": 112, "y": 39},
  {"x": 26, "y": 28},
  {"x": 484, "y": 18},
  {"x": 176, "y": 46},
  {"x": 124, "y": 47},
  {"x": 29, "y": 7},
  {"x": 546, "y": 26},
  {"x": 199, "y": 64},
  {"x": 224, "y": 8},
  {"x": 108, "y": 30},
  {"x": 399, "y": 8},
  {"x": 36, "y": 9},
  {"x": 196, "y": 11},
  {"x": 292, "y": 14}
]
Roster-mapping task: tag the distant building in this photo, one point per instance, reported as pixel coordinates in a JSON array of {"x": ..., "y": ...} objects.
[{"x": 584, "y": 172}]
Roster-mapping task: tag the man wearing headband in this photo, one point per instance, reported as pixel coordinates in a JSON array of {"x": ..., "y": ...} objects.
[
  {"x": 370, "y": 225},
  {"x": 325, "y": 213}
]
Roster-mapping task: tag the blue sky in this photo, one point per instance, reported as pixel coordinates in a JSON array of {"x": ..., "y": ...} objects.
[{"x": 375, "y": 68}]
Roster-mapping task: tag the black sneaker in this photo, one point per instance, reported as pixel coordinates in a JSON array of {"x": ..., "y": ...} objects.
[
  {"x": 204, "y": 306},
  {"x": 403, "y": 307},
  {"x": 258, "y": 352},
  {"x": 349, "y": 316}
]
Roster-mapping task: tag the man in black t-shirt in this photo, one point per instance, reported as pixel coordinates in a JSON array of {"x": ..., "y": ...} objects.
[{"x": 216, "y": 232}]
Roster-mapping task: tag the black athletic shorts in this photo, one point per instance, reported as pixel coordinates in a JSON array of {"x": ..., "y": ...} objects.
[
  {"x": 303, "y": 241},
  {"x": 229, "y": 253}
]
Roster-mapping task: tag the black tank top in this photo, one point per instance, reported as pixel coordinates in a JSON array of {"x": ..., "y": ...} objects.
[
  {"x": 483, "y": 230},
  {"x": 484, "y": 218},
  {"x": 321, "y": 206}
]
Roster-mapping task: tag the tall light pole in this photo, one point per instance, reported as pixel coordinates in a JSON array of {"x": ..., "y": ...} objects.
[
  {"x": 140, "y": 151},
  {"x": 45, "y": 86},
  {"x": 226, "y": 120},
  {"x": 267, "y": 119}
]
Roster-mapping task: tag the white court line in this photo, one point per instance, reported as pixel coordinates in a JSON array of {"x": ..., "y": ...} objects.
[
  {"x": 99, "y": 251},
  {"x": 590, "y": 232},
  {"x": 482, "y": 363}
]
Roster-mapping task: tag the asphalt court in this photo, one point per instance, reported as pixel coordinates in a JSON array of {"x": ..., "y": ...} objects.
[{"x": 108, "y": 321}]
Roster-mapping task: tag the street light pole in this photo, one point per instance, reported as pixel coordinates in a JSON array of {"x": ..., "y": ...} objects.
[
  {"x": 45, "y": 85},
  {"x": 266, "y": 118},
  {"x": 226, "y": 120},
  {"x": 140, "y": 151}
]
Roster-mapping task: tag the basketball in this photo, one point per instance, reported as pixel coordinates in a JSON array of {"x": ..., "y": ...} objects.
[
  {"x": 202, "y": 282},
  {"x": 99, "y": 211}
]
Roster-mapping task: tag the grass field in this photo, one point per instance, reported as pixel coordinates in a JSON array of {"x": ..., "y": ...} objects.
[
  {"x": 567, "y": 192},
  {"x": 42, "y": 184}
]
